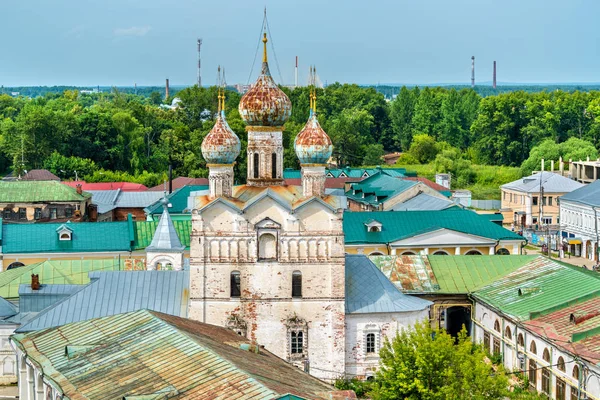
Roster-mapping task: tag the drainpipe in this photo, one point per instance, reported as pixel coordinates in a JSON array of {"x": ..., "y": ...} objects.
[{"x": 596, "y": 228}]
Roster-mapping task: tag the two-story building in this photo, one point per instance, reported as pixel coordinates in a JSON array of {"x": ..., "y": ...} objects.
[
  {"x": 579, "y": 220},
  {"x": 42, "y": 201},
  {"x": 533, "y": 200}
]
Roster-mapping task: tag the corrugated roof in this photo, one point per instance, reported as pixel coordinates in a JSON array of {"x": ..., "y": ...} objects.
[
  {"x": 399, "y": 225},
  {"x": 47, "y": 295},
  {"x": 145, "y": 353},
  {"x": 435, "y": 186},
  {"x": 72, "y": 272},
  {"x": 359, "y": 173},
  {"x": 38, "y": 192},
  {"x": 540, "y": 286},
  {"x": 144, "y": 232},
  {"x": 446, "y": 274},
  {"x": 369, "y": 291},
  {"x": 423, "y": 201},
  {"x": 580, "y": 336},
  {"x": 588, "y": 195},
  {"x": 378, "y": 188},
  {"x": 86, "y": 237},
  {"x": 40, "y": 175},
  {"x": 117, "y": 292},
  {"x": 551, "y": 182},
  {"x": 178, "y": 200},
  {"x": 108, "y": 200},
  {"x": 7, "y": 309}
]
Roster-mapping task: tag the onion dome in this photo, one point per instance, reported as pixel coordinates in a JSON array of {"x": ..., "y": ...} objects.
[
  {"x": 265, "y": 104},
  {"x": 313, "y": 145},
  {"x": 221, "y": 145}
]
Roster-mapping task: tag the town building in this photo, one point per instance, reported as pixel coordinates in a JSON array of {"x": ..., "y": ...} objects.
[
  {"x": 585, "y": 171},
  {"x": 180, "y": 182},
  {"x": 579, "y": 220},
  {"x": 116, "y": 205},
  {"x": 93, "y": 359},
  {"x": 533, "y": 200},
  {"x": 453, "y": 231},
  {"x": 42, "y": 201},
  {"x": 382, "y": 192},
  {"x": 180, "y": 203},
  {"x": 543, "y": 320},
  {"x": 33, "y": 175}
]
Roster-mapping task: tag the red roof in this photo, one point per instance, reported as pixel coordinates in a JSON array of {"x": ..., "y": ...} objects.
[
  {"x": 40, "y": 175},
  {"x": 580, "y": 337},
  {"x": 429, "y": 183},
  {"x": 123, "y": 186},
  {"x": 330, "y": 183},
  {"x": 180, "y": 182}
]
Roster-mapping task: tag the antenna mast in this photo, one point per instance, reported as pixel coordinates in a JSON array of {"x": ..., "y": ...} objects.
[{"x": 199, "y": 63}]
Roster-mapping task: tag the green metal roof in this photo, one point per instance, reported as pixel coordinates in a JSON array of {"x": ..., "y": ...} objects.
[
  {"x": 377, "y": 188},
  {"x": 289, "y": 173},
  {"x": 72, "y": 272},
  {"x": 178, "y": 200},
  {"x": 144, "y": 232},
  {"x": 540, "y": 287},
  {"x": 446, "y": 274},
  {"x": 38, "y": 191},
  {"x": 144, "y": 354},
  {"x": 399, "y": 225},
  {"x": 493, "y": 217},
  {"x": 86, "y": 237}
]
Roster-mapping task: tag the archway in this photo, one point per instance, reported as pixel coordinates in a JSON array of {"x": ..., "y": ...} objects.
[
  {"x": 503, "y": 252},
  {"x": 14, "y": 265},
  {"x": 456, "y": 317},
  {"x": 267, "y": 247}
]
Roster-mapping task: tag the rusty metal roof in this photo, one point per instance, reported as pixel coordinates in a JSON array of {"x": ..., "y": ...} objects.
[
  {"x": 221, "y": 145},
  {"x": 576, "y": 328},
  {"x": 146, "y": 353},
  {"x": 312, "y": 144}
]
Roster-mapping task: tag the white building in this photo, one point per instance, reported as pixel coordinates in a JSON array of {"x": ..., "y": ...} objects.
[
  {"x": 579, "y": 220},
  {"x": 544, "y": 320}
]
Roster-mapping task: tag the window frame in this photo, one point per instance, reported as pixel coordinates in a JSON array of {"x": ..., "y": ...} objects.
[
  {"x": 37, "y": 213},
  {"x": 370, "y": 343},
  {"x": 235, "y": 285},
  {"x": 296, "y": 284},
  {"x": 22, "y": 213},
  {"x": 53, "y": 213}
]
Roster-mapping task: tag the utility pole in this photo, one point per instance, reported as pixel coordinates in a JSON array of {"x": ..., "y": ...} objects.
[{"x": 472, "y": 71}]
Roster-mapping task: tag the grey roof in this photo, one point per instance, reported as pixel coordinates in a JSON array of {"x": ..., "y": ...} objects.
[
  {"x": 116, "y": 292},
  {"x": 38, "y": 300},
  {"x": 551, "y": 182},
  {"x": 108, "y": 200},
  {"x": 165, "y": 237},
  {"x": 589, "y": 195},
  {"x": 369, "y": 291},
  {"x": 423, "y": 201},
  {"x": 7, "y": 309}
]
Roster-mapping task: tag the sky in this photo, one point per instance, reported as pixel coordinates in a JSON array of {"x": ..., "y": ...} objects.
[{"x": 122, "y": 42}]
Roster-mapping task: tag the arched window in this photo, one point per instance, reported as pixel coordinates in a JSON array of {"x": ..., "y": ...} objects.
[
  {"x": 408, "y": 253},
  {"x": 533, "y": 366},
  {"x": 255, "y": 165},
  {"x": 473, "y": 253},
  {"x": 8, "y": 367},
  {"x": 235, "y": 289},
  {"x": 561, "y": 386},
  {"x": 440, "y": 253},
  {"x": 374, "y": 229},
  {"x": 274, "y": 165},
  {"x": 267, "y": 247},
  {"x": 560, "y": 364},
  {"x": 503, "y": 252},
  {"x": 497, "y": 326},
  {"x": 297, "y": 284},
  {"x": 546, "y": 373},
  {"x": 370, "y": 343},
  {"x": 520, "y": 340},
  {"x": 533, "y": 347},
  {"x": 376, "y": 253},
  {"x": 508, "y": 333},
  {"x": 14, "y": 265},
  {"x": 575, "y": 387}
]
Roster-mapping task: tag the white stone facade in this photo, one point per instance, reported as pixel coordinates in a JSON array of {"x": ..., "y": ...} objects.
[
  {"x": 517, "y": 357},
  {"x": 582, "y": 221},
  {"x": 361, "y": 362},
  {"x": 8, "y": 360},
  {"x": 263, "y": 247},
  {"x": 32, "y": 383}
]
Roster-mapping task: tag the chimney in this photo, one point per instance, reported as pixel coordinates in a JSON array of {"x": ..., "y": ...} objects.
[
  {"x": 35, "y": 282},
  {"x": 167, "y": 89},
  {"x": 542, "y": 164},
  {"x": 79, "y": 189},
  {"x": 494, "y": 77},
  {"x": 561, "y": 165},
  {"x": 296, "y": 73}
]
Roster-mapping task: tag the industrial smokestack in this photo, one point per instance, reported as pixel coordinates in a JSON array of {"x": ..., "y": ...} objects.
[
  {"x": 494, "y": 77},
  {"x": 296, "y": 73},
  {"x": 472, "y": 71},
  {"x": 167, "y": 89},
  {"x": 199, "y": 63}
]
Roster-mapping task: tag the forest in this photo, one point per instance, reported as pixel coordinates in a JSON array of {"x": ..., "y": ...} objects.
[{"x": 114, "y": 135}]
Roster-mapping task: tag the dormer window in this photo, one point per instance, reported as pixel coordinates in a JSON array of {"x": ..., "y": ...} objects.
[
  {"x": 373, "y": 226},
  {"x": 64, "y": 233}
]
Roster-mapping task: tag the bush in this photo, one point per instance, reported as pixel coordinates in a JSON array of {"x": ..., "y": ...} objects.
[
  {"x": 361, "y": 388},
  {"x": 407, "y": 159}
]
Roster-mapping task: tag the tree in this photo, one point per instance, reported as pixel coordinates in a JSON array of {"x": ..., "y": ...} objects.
[
  {"x": 401, "y": 114},
  {"x": 373, "y": 154},
  {"x": 427, "y": 364},
  {"x": 573, "y": 149},
  {"x": 423, "y": 148}
]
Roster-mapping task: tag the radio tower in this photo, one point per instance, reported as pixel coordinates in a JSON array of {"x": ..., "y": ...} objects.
[
  {"x": 472, "y": 71},
  {"x": 199, "y": 63}
]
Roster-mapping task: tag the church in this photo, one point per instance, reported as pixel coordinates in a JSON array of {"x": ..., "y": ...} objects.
[{"x": 267, "y": 260}]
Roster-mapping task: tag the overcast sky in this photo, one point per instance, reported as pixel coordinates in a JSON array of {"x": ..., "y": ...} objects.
[{"x": 122, "y": 42}]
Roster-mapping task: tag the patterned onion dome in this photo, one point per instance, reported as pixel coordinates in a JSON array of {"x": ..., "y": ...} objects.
[
  {"x": 313, "y": 145},
  {"x": 265, "y": 104},
  {"x": 221, "y": 145}
]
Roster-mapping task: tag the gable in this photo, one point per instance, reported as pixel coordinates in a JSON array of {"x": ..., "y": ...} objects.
[{"x": 444, "y": 237}]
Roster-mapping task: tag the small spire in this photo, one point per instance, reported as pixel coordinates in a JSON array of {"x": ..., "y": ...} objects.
[{"x": 264, "y": 40}]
